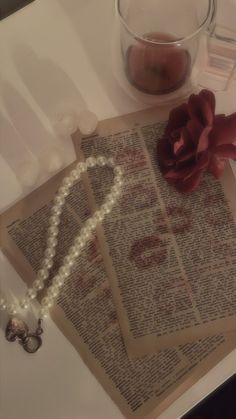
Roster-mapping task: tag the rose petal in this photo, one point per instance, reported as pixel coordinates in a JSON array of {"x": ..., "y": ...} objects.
[
  {"x": 184, "y": 144},
  {"x": 189, "y": 185},
  {"x": 210, "y": 98},
  {"x": 203, "y": 143},
  {"x": 202, "y": 107},
  {"x": 176, "y": 174},
  {"x": 188, "y": 150},
  {"x": 164, "y": 154},
  {"x": 178, "y": 145},
  {"x": 195, "y": 128},
  {"x": 174, "y": 136},
  {"x": 224, "y": 130},
  {"x": 227, "y": 151},
  {"x": 188, "y": 156},
  {"x": 217, "y": 166},
  {"x": 178, "y": 118},
  {"x": 202, "y": 163}
]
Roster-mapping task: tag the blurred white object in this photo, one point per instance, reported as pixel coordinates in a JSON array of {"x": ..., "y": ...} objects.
[
  {"x": 88, "y": 122},
  {"x": 65, "y": 121}
]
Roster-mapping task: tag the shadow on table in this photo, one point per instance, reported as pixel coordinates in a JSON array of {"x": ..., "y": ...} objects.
[
  {"x": 3, "y": 321},
  {"x": 12, "y": 148},
  {"x": 48, "y": 84},
  {"x": 85, "y": 15},
  {"x": 31, "y": 130}
]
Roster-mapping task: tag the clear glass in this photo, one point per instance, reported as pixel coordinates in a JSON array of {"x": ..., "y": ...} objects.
[{"x": 159, "y": 42}]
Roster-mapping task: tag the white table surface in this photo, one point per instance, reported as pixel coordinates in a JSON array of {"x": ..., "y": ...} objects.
[{"x": 67, "y": 41}]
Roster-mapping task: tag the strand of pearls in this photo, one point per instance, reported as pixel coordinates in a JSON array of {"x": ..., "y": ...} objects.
[{"x": 79, "y": 242}]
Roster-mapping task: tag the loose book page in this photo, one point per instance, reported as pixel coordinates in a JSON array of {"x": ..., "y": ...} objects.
[{"x": 172, "y": 257}]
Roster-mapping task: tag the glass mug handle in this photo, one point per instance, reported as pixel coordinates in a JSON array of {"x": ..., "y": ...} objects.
[{"x": 217, "y": 59}]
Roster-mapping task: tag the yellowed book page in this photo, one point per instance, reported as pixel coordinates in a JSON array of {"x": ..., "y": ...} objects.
[{"x": 172, "y": 257}]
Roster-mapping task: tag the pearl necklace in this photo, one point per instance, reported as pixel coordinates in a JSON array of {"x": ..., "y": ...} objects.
[{"x": 17, "y": 329}]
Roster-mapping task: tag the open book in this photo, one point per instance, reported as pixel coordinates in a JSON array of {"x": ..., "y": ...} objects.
[{"x": 131, "y": 306}]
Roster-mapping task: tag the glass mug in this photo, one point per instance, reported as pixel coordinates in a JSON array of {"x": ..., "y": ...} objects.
[{"x": 159, "y": 45}]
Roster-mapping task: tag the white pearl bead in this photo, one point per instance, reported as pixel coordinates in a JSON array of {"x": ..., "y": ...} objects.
[
  {"x": 43, "y": 274},
  {"x": 38, "y": 284},
  {"x": 68, "y": 261},
  {"x": 91, "y": 224},
  {"x": 2, "y": 304},
  {"x": 86, "y": 233},
  {"x": 82, "y": 167},
  {"x": 101, "y": 161},
  {"x": 43, "y": 314},
  {"x": 54, "y": 220},
  {"x": 118, "y": 171},
  {"x": 111, "y": 162},
  {"x": 59, "y": 200},
  {"x": 56, "y": 210},
  {"x": 115, "y": 196},
  {"x": 12, "y": 309},
  {"x": 74, "y": 252},
  {"x": 64, "y": 271},
  {"x": 99, "y": 216},
  {"x": 24, "y": 304},
  {"x": 63, "y": 191},
  {"x": 52, "y": 242},
  {"x": 119, "y": 182},
  {"x": 47, "y": 302},
  {"x": 91, "y": 162},
  {"x": 67, "y": 181},
  {"x": 58, "y": 281},
  {"x": 31, "y": 294},
  {"x": 110, "y": 200},
  {"x": 115, "y": 190},
  {"x": 47, "y": 263},
  {"x": 53, "y": 231},
  {"x": 50, "y": 252},
  {"x": 106, "y": 208},
  {"x": 80, "y": 242},
  {"x": 75, "y": 174},
  {"x": 53, "y": 292},
  {"x": 87, "y": 122}
]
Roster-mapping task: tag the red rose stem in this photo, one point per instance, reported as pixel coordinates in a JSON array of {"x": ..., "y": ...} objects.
[{"x": 157, "y": 69}]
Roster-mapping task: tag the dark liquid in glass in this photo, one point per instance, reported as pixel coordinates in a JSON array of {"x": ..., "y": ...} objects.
[{"x": 157, "y": 69}]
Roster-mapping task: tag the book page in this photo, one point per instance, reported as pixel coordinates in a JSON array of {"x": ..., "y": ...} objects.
[
  {"x": 86, "y": 314},
  {"x": 172, "y": 263}
]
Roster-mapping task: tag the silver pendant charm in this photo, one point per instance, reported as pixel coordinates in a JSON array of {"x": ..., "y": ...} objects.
[{"x": 17, "y": 330}]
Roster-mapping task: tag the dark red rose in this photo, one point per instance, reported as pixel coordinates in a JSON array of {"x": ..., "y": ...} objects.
[{"x": 196, "y": 140}]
